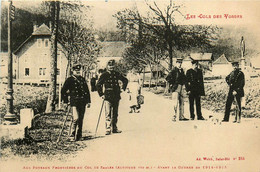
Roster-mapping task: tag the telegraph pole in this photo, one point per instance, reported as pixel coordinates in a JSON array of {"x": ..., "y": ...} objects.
[
  {"x": 10, "y": 117},
  {"x": 242, "y": 48}
]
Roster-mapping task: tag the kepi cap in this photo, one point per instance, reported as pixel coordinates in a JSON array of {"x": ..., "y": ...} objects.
[
  {"x": 194, "y": 61},
  {"x": 76, "y": 67},
  {"x": 111, "y": 62},
  {"x": 235, "y": 62}
]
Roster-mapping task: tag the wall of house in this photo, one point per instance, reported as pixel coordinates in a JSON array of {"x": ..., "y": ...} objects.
[
  {"x": 221, "y": 69},
  {"x": 33, "y": 64}
]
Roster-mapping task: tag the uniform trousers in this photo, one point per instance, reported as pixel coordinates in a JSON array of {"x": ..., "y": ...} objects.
[
  {"x": 111, "y": 112},
  {"x": 78, "y": 112},
  {"x": 195, "y": 98},
  {"x": 178, "y": 102},
  {"x": 229, "y": 102}
]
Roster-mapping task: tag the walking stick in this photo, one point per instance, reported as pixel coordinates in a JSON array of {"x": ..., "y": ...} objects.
[
  {"x": 99, "y": 116},
  {"x": 67, "y": 114}
]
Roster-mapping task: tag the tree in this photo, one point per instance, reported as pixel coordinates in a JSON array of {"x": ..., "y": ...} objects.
[
  {"x": 78, "y": 40},
  {"x": 80, "y": 45},
  {"x": 161, "y": 23},
  {"x": 55, "y": 13}
]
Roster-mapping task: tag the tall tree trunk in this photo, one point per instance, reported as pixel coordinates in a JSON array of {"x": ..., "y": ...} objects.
[
  {"x": 151, "y": 71},
  {"x": 55, "y": 10},
  {"x": 170, "y": 65},
  {"x": 170, "y": 56}
]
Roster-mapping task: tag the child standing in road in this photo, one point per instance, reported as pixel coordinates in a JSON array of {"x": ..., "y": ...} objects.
[{"x": 134, "y": 91}]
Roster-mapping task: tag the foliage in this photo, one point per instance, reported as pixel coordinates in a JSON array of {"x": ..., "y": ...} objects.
[
  {"x": 108, "y": 35},
  {"x": 160, "y": 23},
  {"x": 77, "y": 35},
  {"x": 22, "y": 26},
  {"x": 28, "y": 97},
  {"x": 216, "y": 95}
]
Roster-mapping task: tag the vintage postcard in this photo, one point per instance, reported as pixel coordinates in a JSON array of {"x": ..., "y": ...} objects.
[{"x": 130, "y": 85}]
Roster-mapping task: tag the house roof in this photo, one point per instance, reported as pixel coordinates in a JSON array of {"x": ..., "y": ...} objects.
[
  {"x": 201, "y": 56},
  {"x": 221, "y": 60},
  {"x": 42, "y": 30}
]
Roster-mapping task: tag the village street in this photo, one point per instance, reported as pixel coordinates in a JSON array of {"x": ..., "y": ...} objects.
[{"x": 151, "y": 140}]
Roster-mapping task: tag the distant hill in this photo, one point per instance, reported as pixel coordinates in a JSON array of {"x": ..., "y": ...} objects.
[
  {"x": 112, "y": 49},
  {"x": 22, "y": 26}
]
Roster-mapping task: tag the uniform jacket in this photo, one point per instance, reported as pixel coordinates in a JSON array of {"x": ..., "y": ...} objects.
[
  {"x": 77, "y": 89},
  {"x": 110, "y": 81},
  {"x": 195, "y": 82},
  {"x": 176, "y": 77},
  {"x": 236, "y": 82}
]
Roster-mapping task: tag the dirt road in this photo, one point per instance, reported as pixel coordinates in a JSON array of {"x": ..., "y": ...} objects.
[{"x": 150, "y": 141}]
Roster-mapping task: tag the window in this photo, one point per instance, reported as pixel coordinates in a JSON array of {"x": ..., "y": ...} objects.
[
  {"x": 58, "y": 71},
  {"x": 46, "y": 43},
  {"x": 27, "y": 72},
  {"x": 39, "y": 42},
  {"x": 42, "y": 71}
]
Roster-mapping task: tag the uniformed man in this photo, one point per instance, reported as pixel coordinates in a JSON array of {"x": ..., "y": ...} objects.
[
  {"x": 111, "y": 95},
  {"x": 176, "y": 79},
  {"x": 76, "y": 88},
  {"x": 236, "y": 82},
  {"x": 195, "y": 89}
]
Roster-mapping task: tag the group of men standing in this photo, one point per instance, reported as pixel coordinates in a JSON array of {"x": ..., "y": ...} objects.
[
  {"x": 76, "y": 88},
  {"x": 109, "y": 89},
  {"x": 194, "y": 84}
]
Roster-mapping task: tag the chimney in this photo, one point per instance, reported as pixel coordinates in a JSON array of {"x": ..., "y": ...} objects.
[
  {"x": 50, "y": 26},
  {"x": 35, "y": 27}
]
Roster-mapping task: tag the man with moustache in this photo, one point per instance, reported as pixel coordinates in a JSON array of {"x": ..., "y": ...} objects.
[
  {"x": 111, "y": 95},
  {"x": 176, "y": 79},
  {"x": 76, "y": 88},
  {"x": 236, "y": 83}
]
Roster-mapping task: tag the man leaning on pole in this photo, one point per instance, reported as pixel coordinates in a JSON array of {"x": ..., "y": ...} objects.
[
  {"x": 236, "y": 82},
  {"x": 111, "y": 95},
  {"x": 76, "y": 88}
]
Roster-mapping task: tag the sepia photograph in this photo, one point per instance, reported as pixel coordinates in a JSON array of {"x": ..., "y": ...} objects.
[{"x": 130, "y": 85}]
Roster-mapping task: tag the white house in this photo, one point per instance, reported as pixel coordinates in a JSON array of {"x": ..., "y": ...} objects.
[
  {"x": 205, "y": 60},
  {"x": 33, "y": 58},
  {"x": 221, "y": 66}
]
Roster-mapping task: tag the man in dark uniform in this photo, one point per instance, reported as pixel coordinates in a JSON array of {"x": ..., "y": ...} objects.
[
  {"x": 236, "y": 82},
  {"x": 111, "y": 95},
  {"x": 76, "y": 88},
  {"x": 195, "y": 89},
  {"x": 176, "y": 79}
]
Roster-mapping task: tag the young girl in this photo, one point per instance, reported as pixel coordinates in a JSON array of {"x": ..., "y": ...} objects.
[{"x": 134, "y": 90}]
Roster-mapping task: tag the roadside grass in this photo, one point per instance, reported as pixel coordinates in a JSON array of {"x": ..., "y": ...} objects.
[
  {"x": 40, "y": 144},
  {"x": 42, "y": 136}
]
